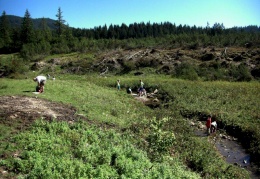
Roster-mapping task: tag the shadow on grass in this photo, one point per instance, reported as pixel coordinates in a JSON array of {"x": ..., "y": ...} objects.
[{"x": 28, "y": 91}]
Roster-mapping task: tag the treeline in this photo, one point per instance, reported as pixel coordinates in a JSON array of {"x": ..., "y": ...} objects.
[
  {"x": 143, "y": 30},
  {"x": 33, "y": 43}
]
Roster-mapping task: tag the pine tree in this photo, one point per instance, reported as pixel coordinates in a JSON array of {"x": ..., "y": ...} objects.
[
  {"x": 70, "y": 40},
  {"x": 16, "y": 42},
  {"x": 59, "y": 22},
  {"x": 104, "y": 32},
  {"x": 27, "y": 31},
  {"x": 5, "y": 34},
  {"x": 111, "y": 32},
  {"x": 45, "y": 30},
  {"x": 149, "y": 29},
  {"x": 217, "y": 29},
  {"x": 131, "y": 31},
  {"x": 123, "y": 31}
]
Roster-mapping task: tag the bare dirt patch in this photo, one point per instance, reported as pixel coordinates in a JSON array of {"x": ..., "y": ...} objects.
[
  {"x": 23, "y": 111},
  {"x": 27, "y": 109}
]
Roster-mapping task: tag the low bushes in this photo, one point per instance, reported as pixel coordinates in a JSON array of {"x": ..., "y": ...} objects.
[
  {"x": 12, "y": 66},
  {"x": 60, "y": 150}
]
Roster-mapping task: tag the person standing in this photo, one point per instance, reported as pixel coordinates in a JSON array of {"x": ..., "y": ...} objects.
[
  {"x": 141, "y": 88},
  {"x": 208, "y": 124},
  {"x": 41, "y": 80},
  {"x": 141, "y": 84},
  {"x": 118, "y": 85}
]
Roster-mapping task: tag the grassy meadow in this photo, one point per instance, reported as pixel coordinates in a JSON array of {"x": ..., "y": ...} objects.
[{"x": 144, "y": 142}]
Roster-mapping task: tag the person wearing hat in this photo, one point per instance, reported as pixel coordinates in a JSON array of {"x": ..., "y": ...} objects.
[{"x": 41, "y": 80}]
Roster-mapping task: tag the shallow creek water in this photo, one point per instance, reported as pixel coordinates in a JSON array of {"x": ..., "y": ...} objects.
[{"x": 232, "y": 151}]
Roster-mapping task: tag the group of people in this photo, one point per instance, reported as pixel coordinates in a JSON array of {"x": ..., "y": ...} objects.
[
  {"x": 141, "y": 91},
  {"x": 211, "y": 125}
]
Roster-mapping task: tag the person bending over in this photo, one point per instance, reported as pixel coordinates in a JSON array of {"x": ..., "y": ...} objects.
[{"x": 41, "y": 80}]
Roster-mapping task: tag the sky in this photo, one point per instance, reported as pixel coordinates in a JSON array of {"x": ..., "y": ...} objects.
[{"x": 93, "y": 13}]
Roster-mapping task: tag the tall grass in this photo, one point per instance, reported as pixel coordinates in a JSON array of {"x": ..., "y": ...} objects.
[
  {"x": 98, "y": 99},
  {"x": 94, "y": 101}
]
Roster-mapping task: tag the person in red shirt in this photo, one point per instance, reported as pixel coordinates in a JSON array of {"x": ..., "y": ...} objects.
[{"x": 208, "y": 124}]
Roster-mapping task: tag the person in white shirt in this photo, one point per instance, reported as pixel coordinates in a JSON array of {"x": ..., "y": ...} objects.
[
  {"x": 41, "y": 80},
  {"x": 213, "y": 127}
]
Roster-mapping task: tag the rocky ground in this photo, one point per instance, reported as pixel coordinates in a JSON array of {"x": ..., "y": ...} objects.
[{"x": 166, "y": 60}]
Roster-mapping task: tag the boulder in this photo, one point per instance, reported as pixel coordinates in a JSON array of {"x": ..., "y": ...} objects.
[
  {"x": 54, "y": 61},
  {"x": 38, "y": 65}
]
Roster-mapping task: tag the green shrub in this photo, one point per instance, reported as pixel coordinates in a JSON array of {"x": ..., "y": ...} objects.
[
  {"x": 12, "y": 65},
  {"x": 160, "y": 141},
  {"x": 193, "y": 46},
  {"x": 82, "y": 45},
  {"x": 128, "y": 66},
  {"x": 59, "y": 150},
  {"x": 60, "y": 47},
  {"x": 32, "y": 50},
  {"x": 240, "y": 73},
  {"x": 256, "y": 72},
  {"x": 186, "y": 71}
]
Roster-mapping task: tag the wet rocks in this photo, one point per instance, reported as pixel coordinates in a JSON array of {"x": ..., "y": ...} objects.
[{"x": 224, "y": 136}]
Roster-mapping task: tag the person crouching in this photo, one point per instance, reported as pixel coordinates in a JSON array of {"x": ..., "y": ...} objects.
[{"x": 213, "y": 127}]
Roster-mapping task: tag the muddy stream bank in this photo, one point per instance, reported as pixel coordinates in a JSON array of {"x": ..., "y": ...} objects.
[
  {"x": 225, "y": 139},
  {"x": 230, "y": 148}
]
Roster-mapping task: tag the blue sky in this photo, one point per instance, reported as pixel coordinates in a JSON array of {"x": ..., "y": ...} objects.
[{"x": 92, "y": 13}]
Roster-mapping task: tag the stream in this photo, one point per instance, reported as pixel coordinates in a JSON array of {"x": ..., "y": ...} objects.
[
  {"x": 232, "y": 151},
  {"x": 227, "y": 146}
]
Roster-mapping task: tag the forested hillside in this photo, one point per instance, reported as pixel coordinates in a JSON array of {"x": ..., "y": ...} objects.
[
  {"x": 35, "y": 39},
  {"x": 16, "y": 22}
]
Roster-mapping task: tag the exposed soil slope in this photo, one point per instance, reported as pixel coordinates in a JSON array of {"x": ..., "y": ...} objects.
[{"x": 166, "y": 60}]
